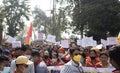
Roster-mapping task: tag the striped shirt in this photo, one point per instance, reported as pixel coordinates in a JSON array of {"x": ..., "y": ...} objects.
[{"x": 72, "y": 67}]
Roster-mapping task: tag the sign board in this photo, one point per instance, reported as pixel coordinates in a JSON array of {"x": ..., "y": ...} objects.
[
  {"x": 16, "y": 44},
  {"x": 10, "y": 39},
  {"x": 57, "y": 69},
  {"x": 87, "y": 42},
  {"x": 40, "y": 36},
  {"x": 94, "y": 43},
  {"x": 111, "y": 40},
  {"x": 65, "y": 43},
  {"x": 104, "y": 42},
  {"x": 79, "y": 42},
  {"x": 51, "y": 38}
]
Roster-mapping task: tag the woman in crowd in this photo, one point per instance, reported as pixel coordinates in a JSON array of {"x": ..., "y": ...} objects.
[
  {"x": 103, "y": 61},
  {"x": 46, "y": 58},
  {"x": 55, "y": 59},
  {"x": 93, "y": 59},
  {"x": 63, "y": 55},
  {"x": 114, "y": 54}
]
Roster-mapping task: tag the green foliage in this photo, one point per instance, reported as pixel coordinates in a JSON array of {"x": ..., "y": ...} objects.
[
  {"x": 16, "y": 12},
  {"x": 40, "y": 19},
  {"x": 97, "y": 18}
]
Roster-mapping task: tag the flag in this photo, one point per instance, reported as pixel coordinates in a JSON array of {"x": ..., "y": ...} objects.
[
  {"x": 29, "y": 35},
  {"x": 118, "y": 38}
]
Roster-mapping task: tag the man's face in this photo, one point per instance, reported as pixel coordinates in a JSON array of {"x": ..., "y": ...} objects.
[
  {"x": 22, "y": 68},
  {"x": 35, "y": 58},
  {"x": 28, "y": 52},
  {"x": 18, "y": 52},
  {"x": 76, "y": 52}
]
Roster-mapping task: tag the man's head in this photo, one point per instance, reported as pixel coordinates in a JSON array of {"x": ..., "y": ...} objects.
[
  {"x": 27, "y": 51},
  {"x": 114, "y": 55},
  {"x": 36, "y": 56},
  {"x": 18, "y": 52},
  {"x": 22, "y": 63},
  {"x": 75, "y": 54}
]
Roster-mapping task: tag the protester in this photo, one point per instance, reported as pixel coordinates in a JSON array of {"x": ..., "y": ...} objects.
[
  {"x": 22, "y": 63},
  {"x": 47, "y": 58},
  {"x": 114, "y": 54},
  {"x": 86, "y": 52},
  {"x": 21, "y": 51},
  {"x": 83, "y": 59},
  {"x": 55, "y": 59},
  {"x": 104, "y": 61},
  {"x": 4, "y": 68},
  {"x": 93, "y": 59},
  {"x": 74, "y": 65},
  {"x": 63, "y": 55},
  {"x": 40, "y": 66}
]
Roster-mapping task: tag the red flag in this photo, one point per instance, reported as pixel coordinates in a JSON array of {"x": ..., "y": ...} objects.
[{"x": 29, "y": 35}]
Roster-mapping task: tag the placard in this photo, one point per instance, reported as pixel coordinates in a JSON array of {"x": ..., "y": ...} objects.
[
  {"x": 16, "y": 44},
  {"x": 111, "y": 40},
  {"x": 10, "y": 39},
  {"x": 79, "y": 42},
  {"x": 51, "y": 38},
  {"x": 104, "y": 42},
  {"x": 40, "y": 36},
  {"x": 65, "y": 43},
  {"x": 87, "y": 42}
]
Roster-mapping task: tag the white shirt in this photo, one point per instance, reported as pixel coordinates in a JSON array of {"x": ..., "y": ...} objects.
[
  {"x": 72, "y": 67},
  {"x": 30, "y": 68}
]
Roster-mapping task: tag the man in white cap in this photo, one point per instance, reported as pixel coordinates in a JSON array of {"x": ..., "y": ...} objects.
[
  {"x": 22, "y": 63},
  {"x": 30, "y": 68}
]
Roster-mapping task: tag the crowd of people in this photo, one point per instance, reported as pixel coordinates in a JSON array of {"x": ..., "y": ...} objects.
[{"x": 35, "y": 58}]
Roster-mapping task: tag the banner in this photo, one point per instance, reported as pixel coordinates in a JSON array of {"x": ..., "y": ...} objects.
[
  {"x": 10, "y": 39},
  {"x": 87, "y": 42},
  {"x": 79, "y": 42},
  {"x": 40, "y": 36},
  {"x": 51, "y": 38},
  {"x": 16, "y": 44},
  {"x": 57, "y": 69},
  {"x": 112, "y": 40},
  {"x": 65, "y": 43},
  {"x": 104, "y": 42}
]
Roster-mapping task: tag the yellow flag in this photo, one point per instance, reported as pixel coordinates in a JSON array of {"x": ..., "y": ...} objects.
[{"x": 118, "y": 38}]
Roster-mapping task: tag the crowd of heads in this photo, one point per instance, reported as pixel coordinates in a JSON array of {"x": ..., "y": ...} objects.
[{"x": 55, "y": 55}]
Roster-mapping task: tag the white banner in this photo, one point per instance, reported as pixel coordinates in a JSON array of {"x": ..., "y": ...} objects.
[
  {"x": 87, "y": 42},
  {"x": 57, "y": 69},
  {"x": 40, "y": 36},
  {"x": 104, "y": 42},
  {"x": 79, "y": 42},
  {"x": 16, "y": 44},
  {"x": 10, "y": 39},
  {"x": 111, "y": 40},
  {"x": 65, "y": 43},
  {"x": 51, "y": 38}
]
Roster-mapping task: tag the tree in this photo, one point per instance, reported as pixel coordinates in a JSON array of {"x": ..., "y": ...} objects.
[
  {"x": 16, "y": 12},
  {"x": 97, "y": 18},
  {"x": 40, "y": 19},
  {"x": 1, "y": 21}
]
